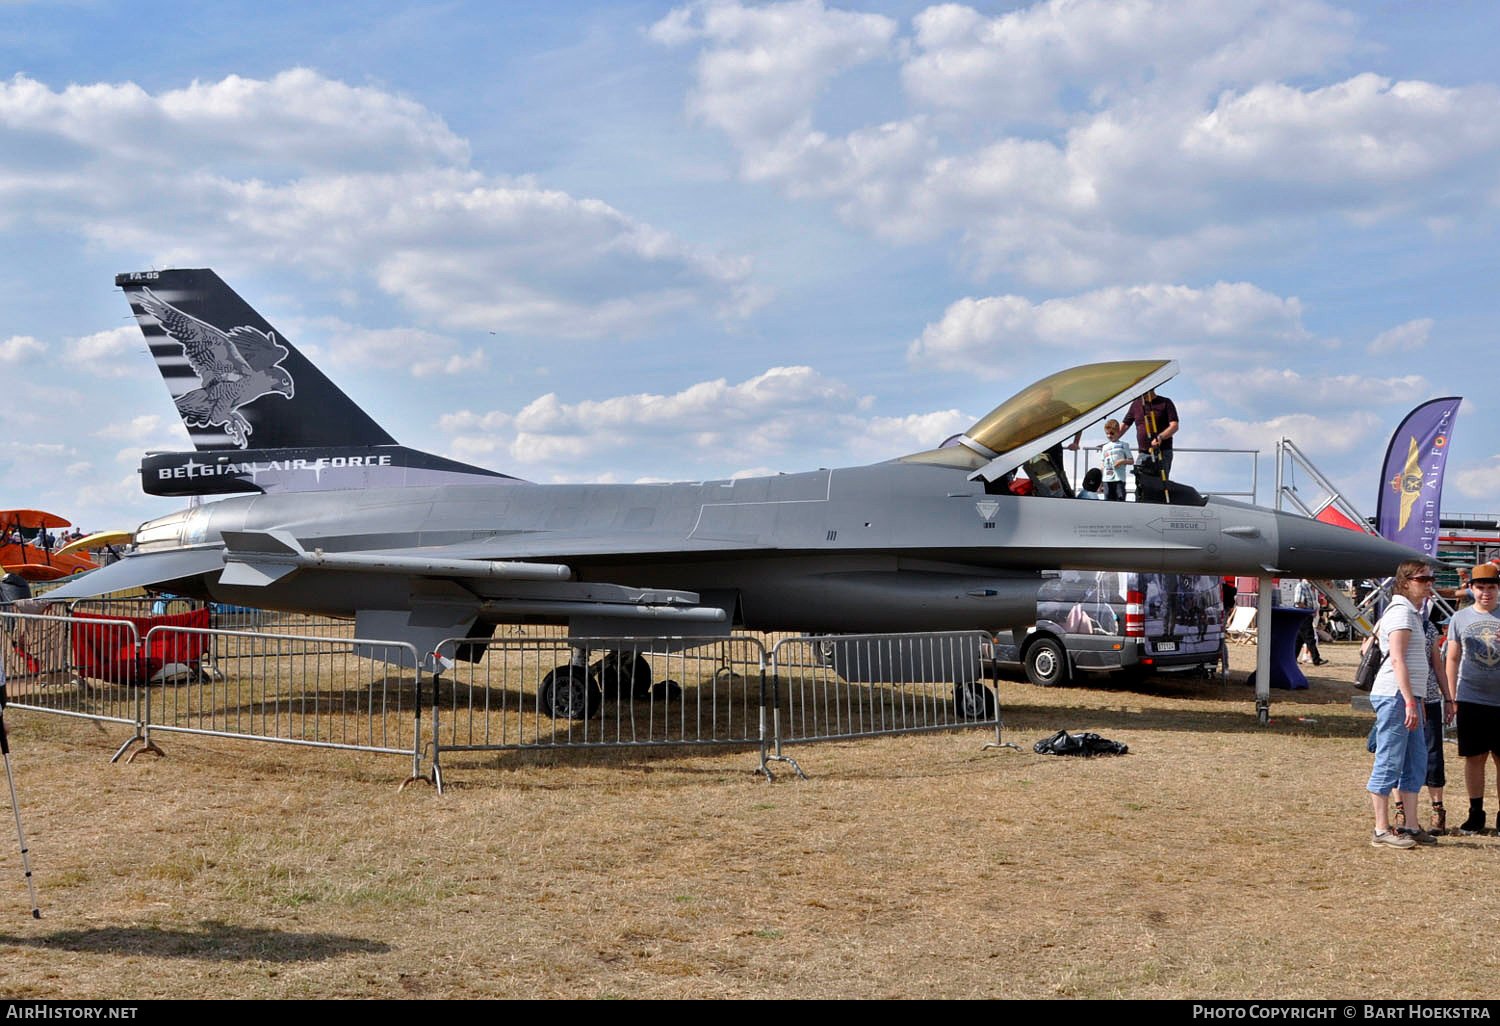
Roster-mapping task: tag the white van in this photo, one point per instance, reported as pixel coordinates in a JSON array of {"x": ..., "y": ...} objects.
[{"x": 1101, "y": 622}]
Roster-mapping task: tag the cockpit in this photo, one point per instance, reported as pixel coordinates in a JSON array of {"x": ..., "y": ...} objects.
[{"x": 1025, "y": 434}]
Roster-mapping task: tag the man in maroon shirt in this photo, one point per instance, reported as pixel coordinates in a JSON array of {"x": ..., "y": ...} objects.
[{"x": 1155, "y": 420}]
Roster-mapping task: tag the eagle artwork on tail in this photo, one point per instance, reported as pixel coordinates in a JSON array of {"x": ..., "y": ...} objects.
[{"x": 234, "y": 368}]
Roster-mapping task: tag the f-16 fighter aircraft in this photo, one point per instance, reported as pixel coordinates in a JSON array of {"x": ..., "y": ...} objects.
[{"x": 343, "y": 521}]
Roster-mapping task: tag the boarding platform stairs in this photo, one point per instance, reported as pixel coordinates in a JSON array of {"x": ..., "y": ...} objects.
[{"x": 1321, "y": 497}]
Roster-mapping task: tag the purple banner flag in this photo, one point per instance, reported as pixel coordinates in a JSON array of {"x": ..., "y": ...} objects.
[{"x": 1411, "y": 480}]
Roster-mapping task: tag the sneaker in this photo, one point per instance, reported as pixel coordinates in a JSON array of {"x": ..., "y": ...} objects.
[
  {"x": 1439, "y": 821},
  {"x": 1473, "y": 825},
  {"x": 1390, "y": 839},
  {"x": 1417, "y": 834}
]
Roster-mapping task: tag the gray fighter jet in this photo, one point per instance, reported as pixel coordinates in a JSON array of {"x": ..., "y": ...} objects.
[{"x": 340, "y": 520}]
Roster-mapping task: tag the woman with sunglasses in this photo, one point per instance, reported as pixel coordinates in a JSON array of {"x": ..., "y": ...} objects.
[{"x": 1398, "y": 696}]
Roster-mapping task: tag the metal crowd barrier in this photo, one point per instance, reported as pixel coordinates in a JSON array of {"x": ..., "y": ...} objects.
[
  {"x": 68, "y": 666},
  {"x": 541, "y": 690},
  {"x": 845, "y": 686},
  {"x": 561, "y": 692},
  {"x": 312, "y": 624},
  {"x": 225, "y": 617},
  {"x": 136, "y": 606},
  {"x": 288, "y": 688}
]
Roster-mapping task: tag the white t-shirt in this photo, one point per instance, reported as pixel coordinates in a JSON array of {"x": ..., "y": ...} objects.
[
  {"x": 1401, "y": 615},
  {"x": 1108, "y": 454}
]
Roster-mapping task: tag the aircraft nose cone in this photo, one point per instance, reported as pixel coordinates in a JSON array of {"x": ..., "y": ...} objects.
[{"x": 1310, "y": 548}]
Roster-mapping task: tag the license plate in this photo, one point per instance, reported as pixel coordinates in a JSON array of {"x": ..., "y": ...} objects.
[{"x": 1166, "y": 646}]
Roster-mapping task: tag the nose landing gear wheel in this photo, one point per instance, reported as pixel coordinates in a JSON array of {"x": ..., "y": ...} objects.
[
  {"x": 623, "y": 676},
  {"x": 973, "y": 701},
  {"x": 566, "y": 693}
]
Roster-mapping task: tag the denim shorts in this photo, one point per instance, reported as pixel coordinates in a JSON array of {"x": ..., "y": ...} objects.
[{"x": 1400, "y": 754}]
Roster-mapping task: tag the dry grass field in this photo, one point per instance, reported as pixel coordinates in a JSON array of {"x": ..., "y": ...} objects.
[{"x": 1217, "y": 859}]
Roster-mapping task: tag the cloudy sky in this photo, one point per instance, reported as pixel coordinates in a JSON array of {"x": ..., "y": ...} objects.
[{"x": 647, "y": 241}]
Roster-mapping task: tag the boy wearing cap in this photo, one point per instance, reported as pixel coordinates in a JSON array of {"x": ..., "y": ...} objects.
[{"x": 1474, "y": 663}]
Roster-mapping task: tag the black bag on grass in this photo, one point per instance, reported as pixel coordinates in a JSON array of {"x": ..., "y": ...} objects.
[{"x": 1063, "y": 743}]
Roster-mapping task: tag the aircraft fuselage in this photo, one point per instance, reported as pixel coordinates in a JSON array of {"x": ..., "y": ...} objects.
[{"x": 891, "y": 546}]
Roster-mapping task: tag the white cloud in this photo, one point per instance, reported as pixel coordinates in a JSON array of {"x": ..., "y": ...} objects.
[
  {"x": 977, "y": 334},
  {"x": 1476, "y": 482},
  {"x": 1019, "y": 65},
  {"x": 112, "y": 495},
  {"x": 1279, "y": 386},
  {"x": 296, "y": 120},
  {"x": 1353, "y": 140},
  {"x": 414, "y": 351},
  {"x": 762, "y": 69},
  {"x": 33, "y": 450},
  {"x": 1323, "y": 435},
  {"x": 886, "y": 437},
  {"x": 109, "y": 353},
  {"x": 32, "y": 466},
  {"x": 792, "y": 416},
  {"x": 18, "y": 347},
  {"x": 135, "y": 429},
  {"x": 145, "y": 433},
  {"x": 466, "y": 420},
  {"x": 348, "y": 182},
  {"x": 1409, "y": 336},
  {"x": 1079, "y": 140}
]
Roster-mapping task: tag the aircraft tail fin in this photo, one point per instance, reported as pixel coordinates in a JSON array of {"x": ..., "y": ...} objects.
[
  {"x": 237, "y": 382},
  {"x": 267, "y": 418}
]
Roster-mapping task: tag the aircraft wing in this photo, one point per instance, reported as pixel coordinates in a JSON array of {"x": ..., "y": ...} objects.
[
  {"x": 255, "y": 559},
  {"x": 97, "y": 540},
  {"x": 32, "y": 519},
  {"x": 137, "y": 571}
]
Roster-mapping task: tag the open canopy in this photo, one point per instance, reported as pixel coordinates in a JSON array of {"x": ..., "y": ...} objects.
[{"x": 1045, "y": 413}]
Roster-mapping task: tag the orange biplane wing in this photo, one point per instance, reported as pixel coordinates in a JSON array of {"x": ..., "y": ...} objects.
[
  {"x": 32, "y": 519},
  {"x": 32, "y": 561}
]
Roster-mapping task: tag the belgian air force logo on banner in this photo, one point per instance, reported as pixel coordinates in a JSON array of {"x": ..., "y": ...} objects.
[
  {"x": 1409, "y": 483},
  {"x": 234, "y": 368}
]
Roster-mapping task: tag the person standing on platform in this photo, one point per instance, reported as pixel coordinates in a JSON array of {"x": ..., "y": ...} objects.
[
  {"x": 1155, "y": 420},
  {"x": 1114, "y": 457}
]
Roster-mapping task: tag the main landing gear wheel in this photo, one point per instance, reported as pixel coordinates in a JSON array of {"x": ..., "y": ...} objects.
[
  {"x": 567, "y": 693},
  {"x": 622, "y": 675},
  {"x": 973, "y": 701},
  {"x": 1046, "y": 663}
]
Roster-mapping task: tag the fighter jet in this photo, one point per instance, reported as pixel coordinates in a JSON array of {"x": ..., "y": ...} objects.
[{"x": 342, "y": 521}]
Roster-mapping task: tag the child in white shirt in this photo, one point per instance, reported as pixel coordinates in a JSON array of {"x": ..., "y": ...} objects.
[{"x": 1115, "y": 456}]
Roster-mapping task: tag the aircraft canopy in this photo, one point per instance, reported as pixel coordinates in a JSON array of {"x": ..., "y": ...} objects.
[{"x": 1045, "y": 413}]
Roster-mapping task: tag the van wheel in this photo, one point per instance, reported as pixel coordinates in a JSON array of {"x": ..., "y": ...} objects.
[{"x": 1046, "y": 663}]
